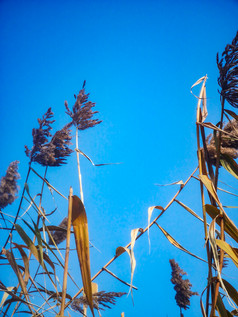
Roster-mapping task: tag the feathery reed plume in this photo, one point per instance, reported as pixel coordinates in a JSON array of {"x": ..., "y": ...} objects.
[
  {"x": 228, "y": 68},
  {"x": 229, "y": 145},
  {"x": 101, "y": 298},
  {"x": 82, "y": 113},
  {"x": 59, "y": 235},
  {"x": 53, "y": 152},
  {"x": 182, "y": 287},
  {"x": 8, "y": 185}
]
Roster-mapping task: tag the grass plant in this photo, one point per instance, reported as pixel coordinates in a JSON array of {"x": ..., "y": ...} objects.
[{"x": 31, "y": 248}]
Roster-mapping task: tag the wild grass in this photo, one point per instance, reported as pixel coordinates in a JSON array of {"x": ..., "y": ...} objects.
[{"x": 39, "y": 266}]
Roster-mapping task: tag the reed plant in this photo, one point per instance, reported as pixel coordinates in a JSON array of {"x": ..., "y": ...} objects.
[{"x": 32, "y": 245}]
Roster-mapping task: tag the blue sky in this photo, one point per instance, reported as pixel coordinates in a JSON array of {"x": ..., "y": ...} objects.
[{"x": 139, "y": 59}]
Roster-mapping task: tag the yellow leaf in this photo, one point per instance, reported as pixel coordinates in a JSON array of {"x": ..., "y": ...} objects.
[
  {"x": 80, "y": 225},
  {"x": 229, "y": 226},
  {"x": 229, "y": 250}
]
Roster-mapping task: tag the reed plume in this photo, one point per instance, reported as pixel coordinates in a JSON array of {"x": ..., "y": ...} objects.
[
  {"x": 46, "y": 151},
  {"x": 8, "y": 185}
]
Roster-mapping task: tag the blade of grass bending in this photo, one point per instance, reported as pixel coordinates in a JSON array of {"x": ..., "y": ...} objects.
[
  {"x": 66, "y": 264},
  {"x": 80, "y": 225},
  {"x": 130, "y": 252},
  {"x": 229, "y": 164},
  {"x": 114, "y": 275},
  {"x": 232, "y": 291},
  {"x": 215, "y": 128},
  {"x": 88, "y": 158},
  {"x": 210, "y": 187},
  {"x": 25, "y": 260},
  {"x": 229, "y": 250},
  {"x": 188, "y": 209},
  {"x": 33, "y": 249},
  {"x": 229, "y": 226},
  {"x": 231, "y": 113},
  {"x": 222, "y": 244},
  {"x": 45, "y": 180},
  {"x": 178, "y": 245},
  {"x": 220, "y": 307},
  {"x": 12, "y": 262},
  {"x": 38, "y": 209},
  {"x": 150, "y": 211}
]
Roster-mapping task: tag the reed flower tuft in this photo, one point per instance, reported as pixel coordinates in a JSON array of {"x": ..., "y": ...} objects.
[
  {"x": 101, "y": 298},
  {"x": 229, "y": 144},
  {"x": 8, "y": 185},
  {"x": 182, "y": 287},
  {"x": 228, "y": 68},
  {"x": 49, "y": 152},
  {"x": 82, "y": 114}
]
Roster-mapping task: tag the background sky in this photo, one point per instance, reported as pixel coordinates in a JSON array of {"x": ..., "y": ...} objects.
[{"x": 139, "y": 59}]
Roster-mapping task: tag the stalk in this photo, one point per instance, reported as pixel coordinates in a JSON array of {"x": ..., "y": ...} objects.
[
  {"x": 66, "y": 253},
  {"x": 78, "y": 164}
]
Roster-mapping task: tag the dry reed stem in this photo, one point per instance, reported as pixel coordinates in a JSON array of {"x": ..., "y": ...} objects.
[
  {"x": 139, "y": 235},
  {"x": 66, "y": 253},
  {"x": 78, "y": 164}
]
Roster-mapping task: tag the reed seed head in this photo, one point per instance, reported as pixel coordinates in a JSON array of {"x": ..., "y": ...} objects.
[
  {"x": 46, "y": 151},
  {"x": 101, "y": 300},
  {"x": 182, "y": 287},
  {"x": 8, "y": 185},
  {"x": 228, "y": 69},
  {"x": 82, "y": 114}
]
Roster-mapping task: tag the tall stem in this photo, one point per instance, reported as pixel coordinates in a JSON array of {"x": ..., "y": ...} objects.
[
  {"x": 78, "y": 163},
  {"x": 66, "y": 253}
]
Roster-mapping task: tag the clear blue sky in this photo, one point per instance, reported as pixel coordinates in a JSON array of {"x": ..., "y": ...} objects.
[{"x": 139, "y": 59}]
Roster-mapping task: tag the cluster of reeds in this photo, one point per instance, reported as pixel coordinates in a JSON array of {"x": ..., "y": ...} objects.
[{"x": 214, "y": 152}]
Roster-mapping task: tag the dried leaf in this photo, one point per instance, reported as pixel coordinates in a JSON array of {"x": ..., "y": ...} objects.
[
  {"x": 229, "y": 226},
  {"x": 80, "y": 225},
  {"x": 229, "y": 164},
  {"x": 229, "y": 250},
  {"x": 176, "y": 244},
  {"x": 150, "y": 211}
]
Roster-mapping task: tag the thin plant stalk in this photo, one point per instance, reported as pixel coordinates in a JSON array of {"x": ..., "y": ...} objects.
[
  {"x": 78, "y": 164},
  {"x": 66, "y": 253}
]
